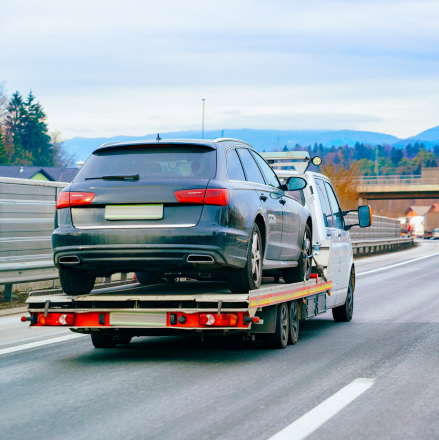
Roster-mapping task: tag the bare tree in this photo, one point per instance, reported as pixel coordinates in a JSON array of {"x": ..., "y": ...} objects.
[
  {"x": 3, "y": 103},
  {"x": 61, "y": 157}
]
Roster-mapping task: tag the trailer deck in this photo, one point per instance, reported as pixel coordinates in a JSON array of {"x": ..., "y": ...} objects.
[{"x": 184, "y": 305}]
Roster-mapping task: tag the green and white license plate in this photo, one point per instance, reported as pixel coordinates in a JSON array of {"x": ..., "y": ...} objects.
[{"x": 134, "y": 212}]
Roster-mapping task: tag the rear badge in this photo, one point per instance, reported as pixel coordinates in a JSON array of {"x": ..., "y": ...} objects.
[{"x": 134, "y": 212}]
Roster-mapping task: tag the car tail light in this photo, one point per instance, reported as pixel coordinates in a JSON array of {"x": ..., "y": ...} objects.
[
  {"x": 224, "y": 320},
  {"x": 67, "y": 319},
  {"x": 217, "y": 197},
  {"x": 63, "y": 200},
  {"x": 69, "y": 199},
  {"x": 57, "y": 319},
  {"x": 211, "y": 196},
  {"x": 190, "y": 196}
]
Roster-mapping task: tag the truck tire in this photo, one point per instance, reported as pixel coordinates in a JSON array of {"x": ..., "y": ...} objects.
[
  {"x": 303, "y": 270},
  {"x": 279, "y": 339},
  {"x": 76, "y": 282},
  {"x": 149, "y": 277},
  {"x": 344, "y": 313},
  {"x": 250, "y": 276},
  {"x": 293, "y": 334},
  {"x": 103, "y": 341}
]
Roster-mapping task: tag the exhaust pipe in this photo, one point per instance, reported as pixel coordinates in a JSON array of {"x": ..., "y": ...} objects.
[
  {"x": 71, "y": 259},
  {"x": 194, "y": 258}
]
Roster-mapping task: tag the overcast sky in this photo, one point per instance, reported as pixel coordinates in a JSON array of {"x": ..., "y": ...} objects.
[{"x": 132, "y": 67}]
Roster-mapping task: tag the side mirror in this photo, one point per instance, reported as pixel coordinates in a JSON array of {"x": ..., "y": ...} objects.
[
  {"x": 296, "y": 183},
  {"x": 364, "y": 216}
]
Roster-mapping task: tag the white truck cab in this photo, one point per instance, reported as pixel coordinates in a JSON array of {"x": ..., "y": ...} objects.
[{"x": 329, "y": 233}]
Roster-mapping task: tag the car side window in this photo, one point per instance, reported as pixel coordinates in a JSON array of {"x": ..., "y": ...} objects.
[
  {"x": 324, "y": 203},
  {"x": 252, "y": 171},
  {"x": 266, "y": 169},
  {"x": 234, "y": 166},
  {"x": 335, "y": 207}
]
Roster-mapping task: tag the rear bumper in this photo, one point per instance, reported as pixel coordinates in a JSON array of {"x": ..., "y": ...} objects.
[{"x": 122, "y": 250}]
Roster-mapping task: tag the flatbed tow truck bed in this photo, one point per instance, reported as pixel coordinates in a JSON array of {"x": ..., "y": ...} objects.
[{"x": 176, "y": 308}]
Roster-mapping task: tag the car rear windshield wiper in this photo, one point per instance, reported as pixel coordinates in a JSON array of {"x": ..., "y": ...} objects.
[{"x": 116, "y": 177}]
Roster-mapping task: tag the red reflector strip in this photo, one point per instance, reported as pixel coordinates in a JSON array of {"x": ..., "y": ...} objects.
[
  {"x": 211, "y": 196},
  {"x": 68, "y": 199}
]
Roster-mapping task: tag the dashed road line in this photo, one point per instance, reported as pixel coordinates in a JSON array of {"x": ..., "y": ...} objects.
[
  {"x": 39, "y": 343},
  {"x": 396, "y": 265},
  {"x": 314, "y": 419}
]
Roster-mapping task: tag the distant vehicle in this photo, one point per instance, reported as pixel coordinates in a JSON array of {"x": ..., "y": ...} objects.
[
  {"x": 166, "y": 207},
  {"x": 431, "y": 223},
  {"x": 435, "y": 234}
]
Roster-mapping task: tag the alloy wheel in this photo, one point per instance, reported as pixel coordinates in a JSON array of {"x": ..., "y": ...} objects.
[
  {"x": 256, "y": 259},
  {"x": 284, "y": 323},
  {"x": 294, "y": 325},
  {"x": 306, "y": 249}
]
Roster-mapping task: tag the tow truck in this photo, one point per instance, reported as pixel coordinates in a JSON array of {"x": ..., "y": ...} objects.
[{"x": 114, "y": 315}]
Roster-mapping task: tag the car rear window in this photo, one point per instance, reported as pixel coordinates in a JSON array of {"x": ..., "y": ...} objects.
[{"x": 173, "y": 162}]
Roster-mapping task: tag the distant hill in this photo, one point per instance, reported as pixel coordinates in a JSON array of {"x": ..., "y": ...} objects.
[
  {"x": 260, "y": 139},
  {"x": 428, "y": 137}
]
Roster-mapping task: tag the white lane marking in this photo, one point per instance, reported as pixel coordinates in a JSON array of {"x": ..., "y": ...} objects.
[
  {"x": 396, "y": 265},
  {"x": 312, "y": 420},
  {"x": 39, "y": 343}
]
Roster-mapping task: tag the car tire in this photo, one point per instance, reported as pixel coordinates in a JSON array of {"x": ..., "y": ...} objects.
[
  {"x": 303, "y": 270},
  {"x": 103, "y": 341},
  {"x": 76, "y": 282},
  {"x": 293, "y": 334},
  {"x": 250, "y": 276},
  {"x": 149, "y": 278},
  {"x": 279, "y": 339},
  {"x": 345, "y": 312}
]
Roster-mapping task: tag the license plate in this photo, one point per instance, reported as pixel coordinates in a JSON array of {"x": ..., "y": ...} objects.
[
  {"x": 147, "y": 319},
  {"x": 134, "y": 212}
]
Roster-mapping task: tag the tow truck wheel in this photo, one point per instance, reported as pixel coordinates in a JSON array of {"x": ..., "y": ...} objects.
[
  {"x": 279, "y": 339},
  {"x": 250, "y": 276},
  {"x": 303, "y": 269},
  {"x": 344, "y": 313},
  {"x": 103, "y": 341},
  {"x": 293, "y": 334},
  {"x": 76, "y": 282},
  {"x": 149, "y": 277}
]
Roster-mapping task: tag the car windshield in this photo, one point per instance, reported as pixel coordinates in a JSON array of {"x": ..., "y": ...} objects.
[{"x": 167, "y": 162}]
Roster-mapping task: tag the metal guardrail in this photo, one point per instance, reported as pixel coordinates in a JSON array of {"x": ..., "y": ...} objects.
[
  {"x": 368, "y": 181},
  {"x": 382, "y": 228},
  {"x": 372, "y": 246},
  {"x": 27, "y": 209}
]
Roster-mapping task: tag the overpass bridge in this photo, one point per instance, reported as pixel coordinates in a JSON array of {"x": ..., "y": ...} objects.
[{"x": 398, "y": 187}]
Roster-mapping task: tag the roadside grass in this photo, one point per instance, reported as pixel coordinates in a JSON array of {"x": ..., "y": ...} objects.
[{"x": 18, "y": 300}]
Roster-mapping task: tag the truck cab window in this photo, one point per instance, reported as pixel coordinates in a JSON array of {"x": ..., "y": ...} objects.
[
  {"x": 335, "y": 207},
  {"x": 324, "y": 203}
]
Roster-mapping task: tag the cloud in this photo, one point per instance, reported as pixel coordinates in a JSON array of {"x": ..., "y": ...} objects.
[{"x": 109, "y": 66}]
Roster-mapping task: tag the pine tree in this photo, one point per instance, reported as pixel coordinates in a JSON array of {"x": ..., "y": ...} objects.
[
  {"x": 34, "y": 134},
  {"x": 3, "y": 158}
]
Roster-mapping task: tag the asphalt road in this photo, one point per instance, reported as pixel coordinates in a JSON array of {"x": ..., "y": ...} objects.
[{"x": 179, "y": 387}]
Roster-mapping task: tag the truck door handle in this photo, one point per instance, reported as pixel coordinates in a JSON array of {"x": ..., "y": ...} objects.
[
  {"x": 263, "y": 198},
  {"x": 282, "y": 201}
]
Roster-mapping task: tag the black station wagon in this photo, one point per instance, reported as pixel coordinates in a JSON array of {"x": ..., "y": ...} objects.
[{"x": 171, "y": 207}]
